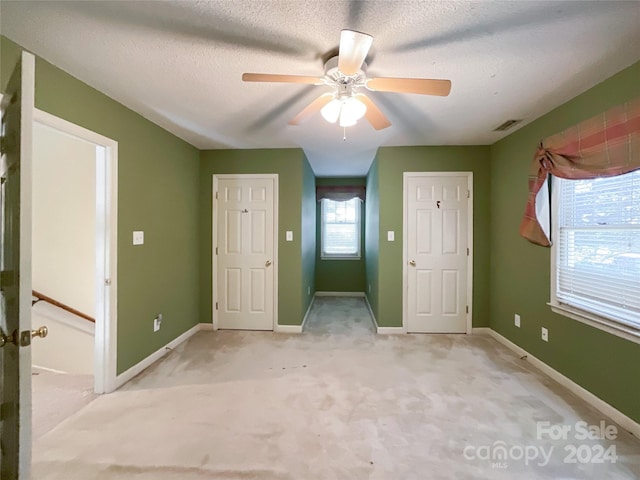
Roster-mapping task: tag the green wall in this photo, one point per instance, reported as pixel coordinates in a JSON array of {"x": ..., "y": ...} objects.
[
  {"x": 372, "y": 237},
  {"x": 340, "y": 275},
  {"x": 164, "y": 188},
  {"x": 157, "y": 193},
  {"x": 392, "y": 162},
  {"x": 308, "y": 235},
  {"x": 289, "y": 165},
  {"x": 604, "y": 364}
]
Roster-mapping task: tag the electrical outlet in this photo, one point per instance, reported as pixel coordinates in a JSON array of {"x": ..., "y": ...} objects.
[
  {"x": 308, "y": 290},
  {"x": 545, "y": 334},
  {"x": 157, "y": 322},
  {"x": 369, "y": 288},
  {"x": 516, "y": 320}
]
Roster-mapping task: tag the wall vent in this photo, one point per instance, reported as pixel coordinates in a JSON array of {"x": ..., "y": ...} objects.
[{"x": 507, "y": 125}]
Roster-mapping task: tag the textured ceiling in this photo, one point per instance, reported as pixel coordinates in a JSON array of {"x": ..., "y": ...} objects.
[{"x": 179, "y": 64}]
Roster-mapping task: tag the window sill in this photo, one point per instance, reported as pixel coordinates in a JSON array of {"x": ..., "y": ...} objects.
[
  {"x": 338, "y": 257},
  {"x": 610, "y": 326}
]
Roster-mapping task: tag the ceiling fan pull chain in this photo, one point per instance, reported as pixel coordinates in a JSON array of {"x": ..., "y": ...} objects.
[{"x": 344, "y": 134}]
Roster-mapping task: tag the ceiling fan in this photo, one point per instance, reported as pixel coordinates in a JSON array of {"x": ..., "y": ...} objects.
[{"x": 345, "y": 73}]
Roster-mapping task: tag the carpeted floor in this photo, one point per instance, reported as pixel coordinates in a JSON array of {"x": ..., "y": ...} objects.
[
  {"x": 56, "y": 397},
  {"x": 337, "y": 402}
]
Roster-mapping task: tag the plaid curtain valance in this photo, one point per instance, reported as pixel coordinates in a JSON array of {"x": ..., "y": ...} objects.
[
  {"x": 602, "y": 146},
  {"x": 340, "y": 193}
]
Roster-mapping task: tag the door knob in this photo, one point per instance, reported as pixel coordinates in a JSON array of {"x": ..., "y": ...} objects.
[
  {"x": 4, "y": 339},
  {"x": 267, "y": 263},
  {"x": 412, "y": 263},
  {"x": 40, "y": 332}
]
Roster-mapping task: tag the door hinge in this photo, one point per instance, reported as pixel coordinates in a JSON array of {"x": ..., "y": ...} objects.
[
  {"x": 467, "y": 251},
  {"x": 216, "y": 195},
  {"x": 468, "y": 193},
  {"x": 467, "y": 308},
  {"x": 216, "y": 305},
  {"x": 216, "y": 250}
]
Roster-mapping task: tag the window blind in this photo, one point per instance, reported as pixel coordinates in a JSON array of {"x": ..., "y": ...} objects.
[
  {"x": 341, "y": 228},
  {"x": 598, "y": 266}
]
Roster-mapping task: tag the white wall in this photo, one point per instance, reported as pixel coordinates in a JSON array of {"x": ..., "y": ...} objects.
[
  {"x": 64, "y": 248},
  {"x": 64, "y": 218},
  {"x": 68, "y": 347}
]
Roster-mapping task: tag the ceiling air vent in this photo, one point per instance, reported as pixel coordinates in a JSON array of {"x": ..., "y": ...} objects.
[{"x": 507, "y": 125}]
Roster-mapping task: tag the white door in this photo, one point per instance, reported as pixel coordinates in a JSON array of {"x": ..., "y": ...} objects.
[
  {"x": 437, "y": 227},
  {"x": 246, "y": 267},
  {"x": 15, "y": 265}
]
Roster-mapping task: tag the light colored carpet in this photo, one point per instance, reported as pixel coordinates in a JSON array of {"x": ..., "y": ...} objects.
[
  {"x": 56, "y": 397},
  {"x": 337, "y": 402}
]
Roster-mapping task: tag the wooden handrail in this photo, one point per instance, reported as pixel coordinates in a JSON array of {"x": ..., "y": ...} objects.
[{"x": 61, "y": 305}]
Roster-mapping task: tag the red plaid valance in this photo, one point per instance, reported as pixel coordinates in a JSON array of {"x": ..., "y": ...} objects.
[{"x": 603, "y": 146}]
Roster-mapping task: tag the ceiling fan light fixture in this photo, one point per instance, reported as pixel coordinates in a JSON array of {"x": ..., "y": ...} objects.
[
  {"x": 346, "y": 120},
  {"x": 348, "y": 109},
  {"x": 352, "y": 111},
  {"x": 331, "y": 111}
]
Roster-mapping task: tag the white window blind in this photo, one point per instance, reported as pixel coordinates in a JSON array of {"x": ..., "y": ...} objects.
[
  {"x": 598, "y": 246},
  {"x": 341, "y": 228}
]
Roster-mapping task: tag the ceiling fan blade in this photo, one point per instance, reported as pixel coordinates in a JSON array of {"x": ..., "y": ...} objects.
[
  {"x": 354, "y": 47},
  {"x": 269, "y": 77},
  {"x": 373, "y": 114},
  {"x": 424, "y": 86},
  {"x": 312, "y": 108}
]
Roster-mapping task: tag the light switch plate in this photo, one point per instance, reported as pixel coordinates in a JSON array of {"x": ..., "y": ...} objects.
[
  {"x": 391, "y": 236},
  {"x": 289, "y": 236},
  {"x": 138, "y": 238}
]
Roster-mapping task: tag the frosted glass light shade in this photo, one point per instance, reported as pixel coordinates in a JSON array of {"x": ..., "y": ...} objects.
[
  {"x": 349, "y": 110},
  {"x": 331, "y": 111}
]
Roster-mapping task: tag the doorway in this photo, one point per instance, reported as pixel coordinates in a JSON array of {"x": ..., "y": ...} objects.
[
  {"x": 82, "y": 275},
  {"x": 438, "y": 236},
  {"x": 244, "y": 240}
]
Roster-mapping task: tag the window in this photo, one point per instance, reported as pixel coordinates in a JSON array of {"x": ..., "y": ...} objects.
[
  {"x": 596, "y": 249},
  {"x": 340, "y": 229}
]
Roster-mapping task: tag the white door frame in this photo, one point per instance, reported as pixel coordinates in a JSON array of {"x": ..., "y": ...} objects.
[
  {"x": 105, "y": 339},
  {"x": 214, "y": 236},
  {"x": 405, "y": 241}
]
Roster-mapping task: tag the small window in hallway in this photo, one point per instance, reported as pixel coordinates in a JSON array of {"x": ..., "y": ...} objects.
[{"x": 341, "y": 229}]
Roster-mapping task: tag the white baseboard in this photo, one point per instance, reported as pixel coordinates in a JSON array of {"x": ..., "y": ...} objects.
[
  {"x": 306, "y": 315},
  {"x": 481, "y": 331},
  {"x": 339, "y": 294},
  {"x": 127, "y": 375},
  {"x": 391, "y": 330},
  {"x": 52, "y": 370},
  {"x": 289, "y": 328},
  {"x": 295, "y": 328},
  {"x": 382, "y": 330},
  {"x": 205, "y": 326},
  {"x": 373, "y": 317},
  {"x": 603, "y": 407}
]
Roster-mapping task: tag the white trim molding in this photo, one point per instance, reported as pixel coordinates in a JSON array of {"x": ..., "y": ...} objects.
[
  {"x": 603, "y": 407},
  {"x": 139, "y": 367},
  {"x": 306, "y": 315},
  {"x": 288, "y": 328},
  {"x": 481, "y": 331},
  {"x": 391, "y": 330},
  {"x": 383, "y": 330},
  {"x": 339, "y": 294}
]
